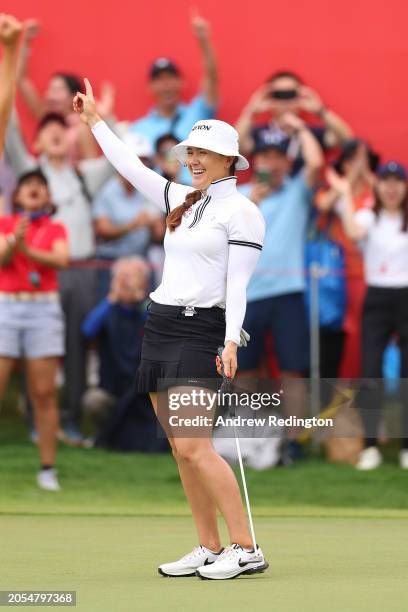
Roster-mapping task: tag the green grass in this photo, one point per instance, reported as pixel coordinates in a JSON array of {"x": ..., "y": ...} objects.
[{"x": 335, "y": 538}]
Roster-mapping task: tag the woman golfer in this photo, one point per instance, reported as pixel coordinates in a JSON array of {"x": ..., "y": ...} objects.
[{"x": 213, "y": 239}]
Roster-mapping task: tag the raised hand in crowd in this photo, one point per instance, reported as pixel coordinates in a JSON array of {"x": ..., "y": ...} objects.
[
  {"x": 360, "y": 169},
  {"x": 259, "y": 191},
  {"x": 58, "y": 96},
  {"x": 10, "y": 31},
  {"x": 201, "y": 29},
  {"x": 105, "y": 104},
  {"x": 340, "y": 184}
]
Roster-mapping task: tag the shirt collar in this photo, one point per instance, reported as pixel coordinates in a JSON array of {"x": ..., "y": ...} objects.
[
  {"x": 154, "y": 112},
  {"x": 223, "y": 187}
]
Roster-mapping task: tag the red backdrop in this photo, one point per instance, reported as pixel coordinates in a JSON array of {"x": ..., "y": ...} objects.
[{"x": 354, "y": 52}]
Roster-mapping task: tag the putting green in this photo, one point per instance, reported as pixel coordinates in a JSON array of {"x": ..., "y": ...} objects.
[{"x": 316, "y": 564}]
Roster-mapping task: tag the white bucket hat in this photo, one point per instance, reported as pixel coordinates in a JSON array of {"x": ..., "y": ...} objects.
[{"x": 213, "y": 135}]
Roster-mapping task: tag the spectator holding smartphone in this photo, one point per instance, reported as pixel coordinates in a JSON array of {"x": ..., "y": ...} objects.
[
  {"x": 275, "y": 291},
  {"x": 32, "y": 249},
  {"x": 383, "y": 231},
  {"x": 284, "y": 92}
]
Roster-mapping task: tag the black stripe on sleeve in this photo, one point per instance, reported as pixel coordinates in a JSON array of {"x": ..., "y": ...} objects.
[
  {"x": 166, "y": 197},
  {"x": 254, "y": 245}
]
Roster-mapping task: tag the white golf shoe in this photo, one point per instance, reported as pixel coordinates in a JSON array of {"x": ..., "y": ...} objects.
[
  {"x": 403, "y": 458},
  {"x": 369, "y": 459},
  {"x": 232, "y": 562},
  {"x": 47, "y": 480},
  {"x": 187, "y": 565}
]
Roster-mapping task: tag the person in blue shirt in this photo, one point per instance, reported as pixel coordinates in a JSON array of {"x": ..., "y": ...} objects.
[
  {"x": 275, "y": 291},
  {"x": 116, "y": 323},
  {"x": 275, "y": 294},
  {"x": 285, "y": 92},
  {"x": 170, "y": 114}
]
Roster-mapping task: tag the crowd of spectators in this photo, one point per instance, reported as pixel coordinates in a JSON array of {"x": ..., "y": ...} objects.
[{"x": 114, "y": 236}]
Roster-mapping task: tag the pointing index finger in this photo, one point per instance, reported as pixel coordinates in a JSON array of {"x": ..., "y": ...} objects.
[{"x": 88, "y": 88}]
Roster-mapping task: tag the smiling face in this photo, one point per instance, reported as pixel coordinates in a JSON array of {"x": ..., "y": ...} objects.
[
  {"x": 166, "y": 88},
  {"x": 32, "y": 194},
  {"x": 392, "y": 192},
  {"x": 207, "y": 166}
]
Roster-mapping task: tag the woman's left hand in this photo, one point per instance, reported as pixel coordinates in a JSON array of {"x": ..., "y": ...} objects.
[
  {"x": 85, "y": 105},
  {"x": 229, "y": 358}
]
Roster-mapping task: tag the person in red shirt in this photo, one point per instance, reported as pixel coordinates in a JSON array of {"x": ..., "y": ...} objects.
[{"x": 32, "y": 249}]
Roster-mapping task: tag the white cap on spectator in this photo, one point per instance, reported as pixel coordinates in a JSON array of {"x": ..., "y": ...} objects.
[
  {"x": 212, "y": 135},
  {"x": 139, "y": 144}
]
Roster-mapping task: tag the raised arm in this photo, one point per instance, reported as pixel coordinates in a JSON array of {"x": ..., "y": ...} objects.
[
  {"x": 210, "y": 83},
  {"x": 337, "y": 130},
  {"x": 259, "y": 102},
  {"x": 341, "y": 186},
  {"x": 310, "y": 148},
  {"x": 10, "y": 30},
  {"x": 126, "y": 162},
  {"x": 27, "y": 88}
]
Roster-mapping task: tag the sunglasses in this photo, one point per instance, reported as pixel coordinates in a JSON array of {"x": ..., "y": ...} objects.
[{"x": 284, "y": 94}]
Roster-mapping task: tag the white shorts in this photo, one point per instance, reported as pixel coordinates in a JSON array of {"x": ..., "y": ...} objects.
[{"x": 31, "y": 329}]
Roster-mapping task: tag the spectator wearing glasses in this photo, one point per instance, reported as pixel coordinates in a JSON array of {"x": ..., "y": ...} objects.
[{"x": 285, "y": 92}]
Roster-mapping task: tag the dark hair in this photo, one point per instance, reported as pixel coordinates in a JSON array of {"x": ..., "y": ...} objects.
[
  {"x": 49, "y": 209},
  {"x": 162, "y": 139},
  {"x": 51, "y": 118},
  {"x": 282, "y": 74},
  {"x": 349, "y": 149},
  {"x": 173, "y": 219},
  {"x": 378, "y": 206},
  {"x": 72, "y": 81}
]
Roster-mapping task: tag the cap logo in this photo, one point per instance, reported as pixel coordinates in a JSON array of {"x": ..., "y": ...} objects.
[{"x": 201, "y": 127}]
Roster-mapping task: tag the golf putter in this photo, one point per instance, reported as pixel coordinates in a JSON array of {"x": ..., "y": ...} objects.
[{"x": 225, "y": 387}]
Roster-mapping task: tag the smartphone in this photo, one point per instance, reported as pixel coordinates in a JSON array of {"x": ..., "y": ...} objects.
[{"x": 263, "y": 176}]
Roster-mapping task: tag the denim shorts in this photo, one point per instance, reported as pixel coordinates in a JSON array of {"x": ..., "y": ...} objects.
[{"x": 31, "y": 329}]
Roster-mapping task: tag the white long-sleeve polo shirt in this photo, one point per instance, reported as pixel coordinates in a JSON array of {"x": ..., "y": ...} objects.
[{"x": 211, "y": 256}]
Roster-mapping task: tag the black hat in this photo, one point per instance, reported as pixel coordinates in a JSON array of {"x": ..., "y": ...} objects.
[
  {"x": 265, "y": 140},
  {"x": 34, "y": 173},
  {"x": 348, "y": 150},
  {"x": 163, "y": 64}
]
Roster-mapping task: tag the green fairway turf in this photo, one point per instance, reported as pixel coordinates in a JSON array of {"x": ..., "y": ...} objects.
[
  {"x": 315, "y": 565},
  {"x": 336, "y": 539}
]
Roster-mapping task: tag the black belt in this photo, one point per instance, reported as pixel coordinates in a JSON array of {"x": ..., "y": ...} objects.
[{"x": 187, "y": 311}]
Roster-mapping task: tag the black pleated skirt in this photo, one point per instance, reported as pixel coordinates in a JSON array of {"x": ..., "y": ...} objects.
[{"x": 179, "y": 349}]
